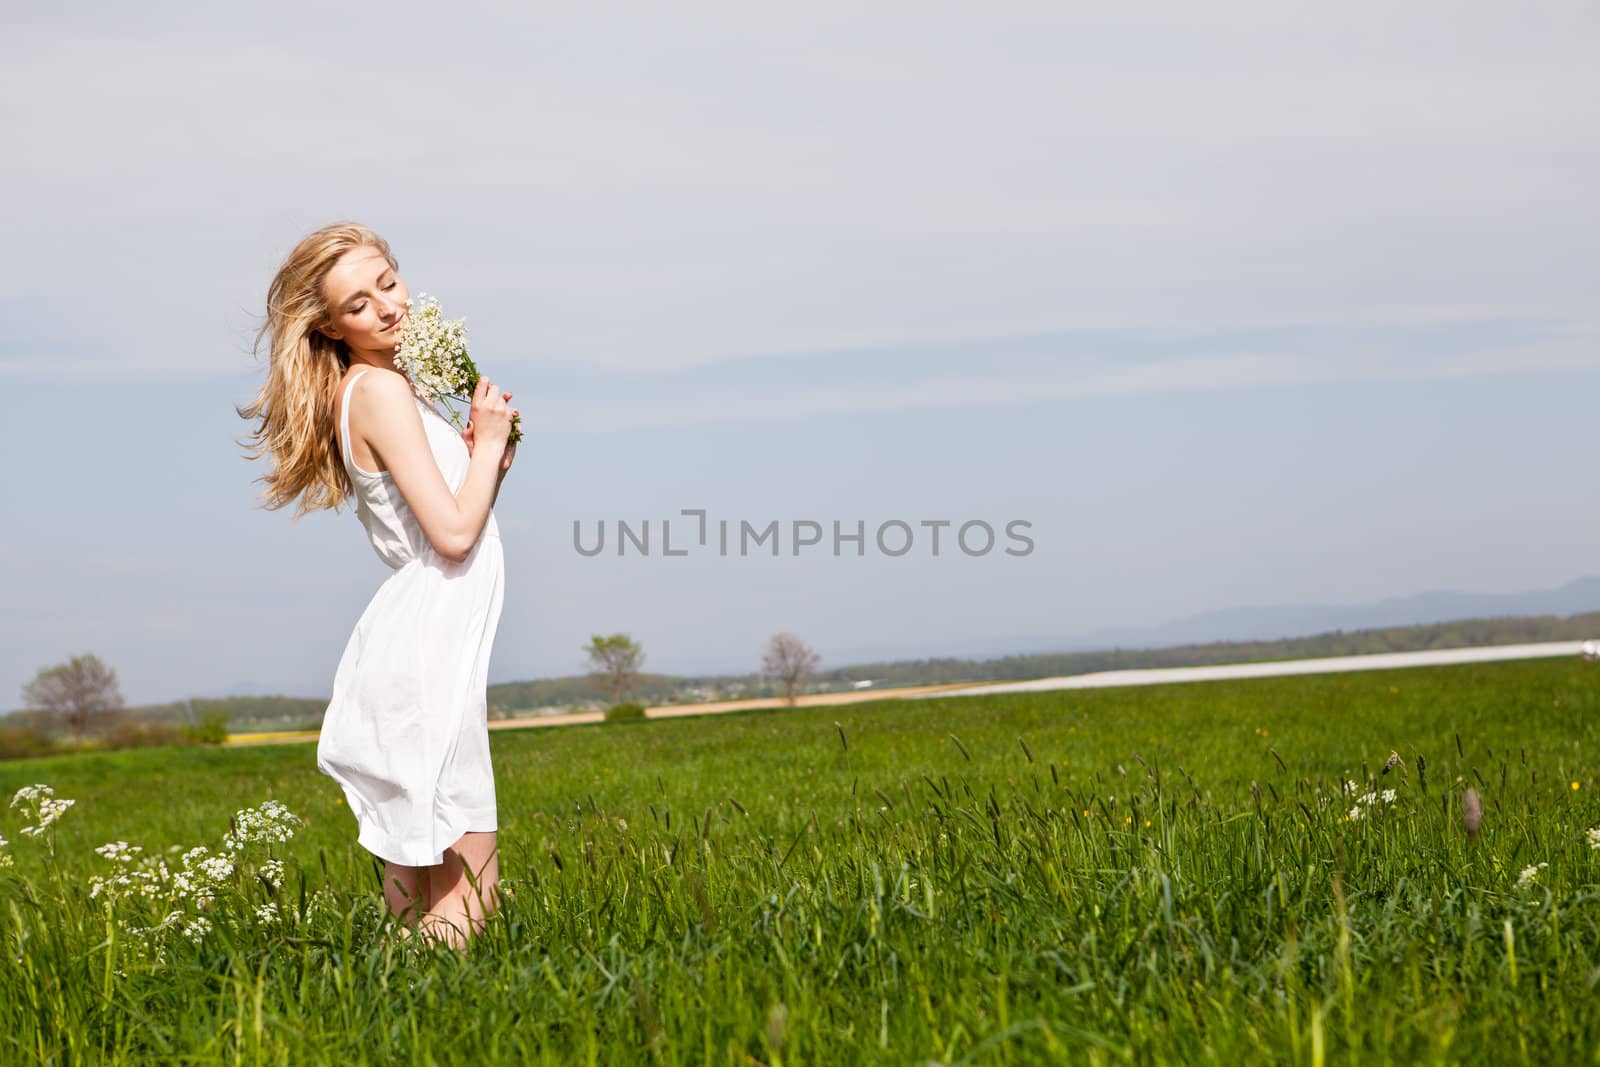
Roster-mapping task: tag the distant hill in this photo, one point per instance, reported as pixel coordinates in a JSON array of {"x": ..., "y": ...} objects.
[{"x": 1284, "y": 621}]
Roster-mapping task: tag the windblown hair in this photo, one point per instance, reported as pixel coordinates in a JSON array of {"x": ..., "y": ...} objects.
[{"x": 296, "y": 402}]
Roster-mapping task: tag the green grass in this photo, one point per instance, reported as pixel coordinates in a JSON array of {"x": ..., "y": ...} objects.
[{"x": 1160, "y": 874}]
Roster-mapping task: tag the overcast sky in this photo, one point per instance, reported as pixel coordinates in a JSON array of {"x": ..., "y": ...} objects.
[{"x": 1234, "y": 304}]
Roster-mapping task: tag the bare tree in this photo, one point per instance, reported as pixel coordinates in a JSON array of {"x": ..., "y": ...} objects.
[
  {"x": 79, "y": 690},
  {"x": 788, "y": 660},
  {"x": 615, "y": 661}
]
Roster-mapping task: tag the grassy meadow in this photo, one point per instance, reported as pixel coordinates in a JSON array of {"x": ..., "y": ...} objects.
[{"x": 1177, "y": 873}]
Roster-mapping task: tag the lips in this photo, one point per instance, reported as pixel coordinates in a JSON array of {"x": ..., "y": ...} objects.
[{"x": 393, "y": 324}]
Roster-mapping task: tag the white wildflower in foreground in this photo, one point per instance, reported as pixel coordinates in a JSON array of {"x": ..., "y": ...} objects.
[
  {"x": 39, "y": 802},
  {"x": 433, "y": 354},
  {"x": 119, "y": 851},
  {"x": 1594, "y": 837},
  {"x": 30, "y": 794},
  {"x": 202, "y": 875},
  {"x": 268, "y": 823},
  {"x": 199, "y": 880},
  {"x": 147, "y": 879},
  {"x": 1529, "y": 875},
  {"x": 49, "y": 812},
  {"x": 272, "y": 871}
]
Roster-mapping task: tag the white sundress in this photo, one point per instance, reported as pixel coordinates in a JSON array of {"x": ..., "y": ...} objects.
[{"x": 406, "y": 734}]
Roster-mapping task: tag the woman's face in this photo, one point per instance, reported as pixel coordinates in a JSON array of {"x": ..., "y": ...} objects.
[{"x": 366, "y": 302}]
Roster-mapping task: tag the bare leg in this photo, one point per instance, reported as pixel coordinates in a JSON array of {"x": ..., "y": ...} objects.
[
  {"x": 405, "y": 890},
  {"x": 463, "y": 891}
]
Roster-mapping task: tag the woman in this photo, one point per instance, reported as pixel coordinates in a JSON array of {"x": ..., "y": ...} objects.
[{"x": 406, "y": 732}]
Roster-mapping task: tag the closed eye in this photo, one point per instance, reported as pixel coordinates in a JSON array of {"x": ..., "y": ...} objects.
[{"x": 358, "y": 310}]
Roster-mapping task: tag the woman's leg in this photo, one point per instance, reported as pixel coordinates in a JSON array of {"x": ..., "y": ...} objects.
[
  {"x": 464, "y": 890},
  {"x": 405, "y": 890}
]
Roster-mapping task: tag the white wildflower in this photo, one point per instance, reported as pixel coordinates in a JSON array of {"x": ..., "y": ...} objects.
[
  {"x": 1594, "y": 836},
  {"x": 197, "y": 928},
  {"x": 272, "y": 871},
  {"x": 267, "y": 912},
  {"x": 157, "y": 876},
  {"x": 30, "y": 794},
  {"x": 1369, "y": 799},
  {"x": 1529, "y": 875},
  {"x": 323, "y": 900},
  {"x": 202, "y": 875},
  {"x": 119, "y": 851},
  {"x": 217, "y": 868},
  {"x": 433, "y": 354},
  {"x": 47, "y": 812},
  {"x": 268, "y": 823}
]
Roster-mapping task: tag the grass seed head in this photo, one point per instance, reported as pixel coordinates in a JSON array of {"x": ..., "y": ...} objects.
[{"x": 1471, "y": 810}]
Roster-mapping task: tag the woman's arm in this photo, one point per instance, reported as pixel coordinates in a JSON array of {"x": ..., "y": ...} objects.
[
  {"x": 505, "y": 461},
  {"x": 452, "y": 523}
]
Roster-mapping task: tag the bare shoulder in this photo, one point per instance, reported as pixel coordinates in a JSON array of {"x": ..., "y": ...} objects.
[
  {"x": 382, "y": 398},
  {"x": 382, "y": 413},
  {"x": 381, "y": 388}
]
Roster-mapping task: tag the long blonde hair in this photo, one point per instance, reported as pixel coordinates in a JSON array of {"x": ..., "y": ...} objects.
[{"x": 295, "y": 403}]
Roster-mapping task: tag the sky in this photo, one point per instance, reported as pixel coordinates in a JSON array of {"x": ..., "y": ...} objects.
[{"x": 1230, "y": 305}]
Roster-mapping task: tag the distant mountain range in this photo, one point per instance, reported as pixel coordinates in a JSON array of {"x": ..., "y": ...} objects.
[
  {"x": 1577, "y": 597},
  {"x": 1247, "y": 624}
]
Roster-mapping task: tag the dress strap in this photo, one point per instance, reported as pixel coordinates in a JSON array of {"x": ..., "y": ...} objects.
[{"x": 344, "y": 420}]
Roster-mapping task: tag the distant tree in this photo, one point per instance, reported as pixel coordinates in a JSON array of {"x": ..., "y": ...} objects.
[
  {"x": 788, "y": 661},
  {"x": 77, "y": 691},
  {"x": 615, "y": 661}
]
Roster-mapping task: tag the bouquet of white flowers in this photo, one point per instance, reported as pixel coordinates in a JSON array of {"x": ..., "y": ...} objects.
[{"x": 433, "y": 354}]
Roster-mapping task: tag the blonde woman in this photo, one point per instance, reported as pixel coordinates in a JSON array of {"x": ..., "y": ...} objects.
[{"x": 405, "y": 734}]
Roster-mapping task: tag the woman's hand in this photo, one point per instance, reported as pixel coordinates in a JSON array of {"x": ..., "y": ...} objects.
[
  {"x": 469, "y": 435},
  {"x": 511, "y": 446}
]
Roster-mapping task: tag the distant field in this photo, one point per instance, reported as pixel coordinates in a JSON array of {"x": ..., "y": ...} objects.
[{"x": 1168, "y": 873}]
